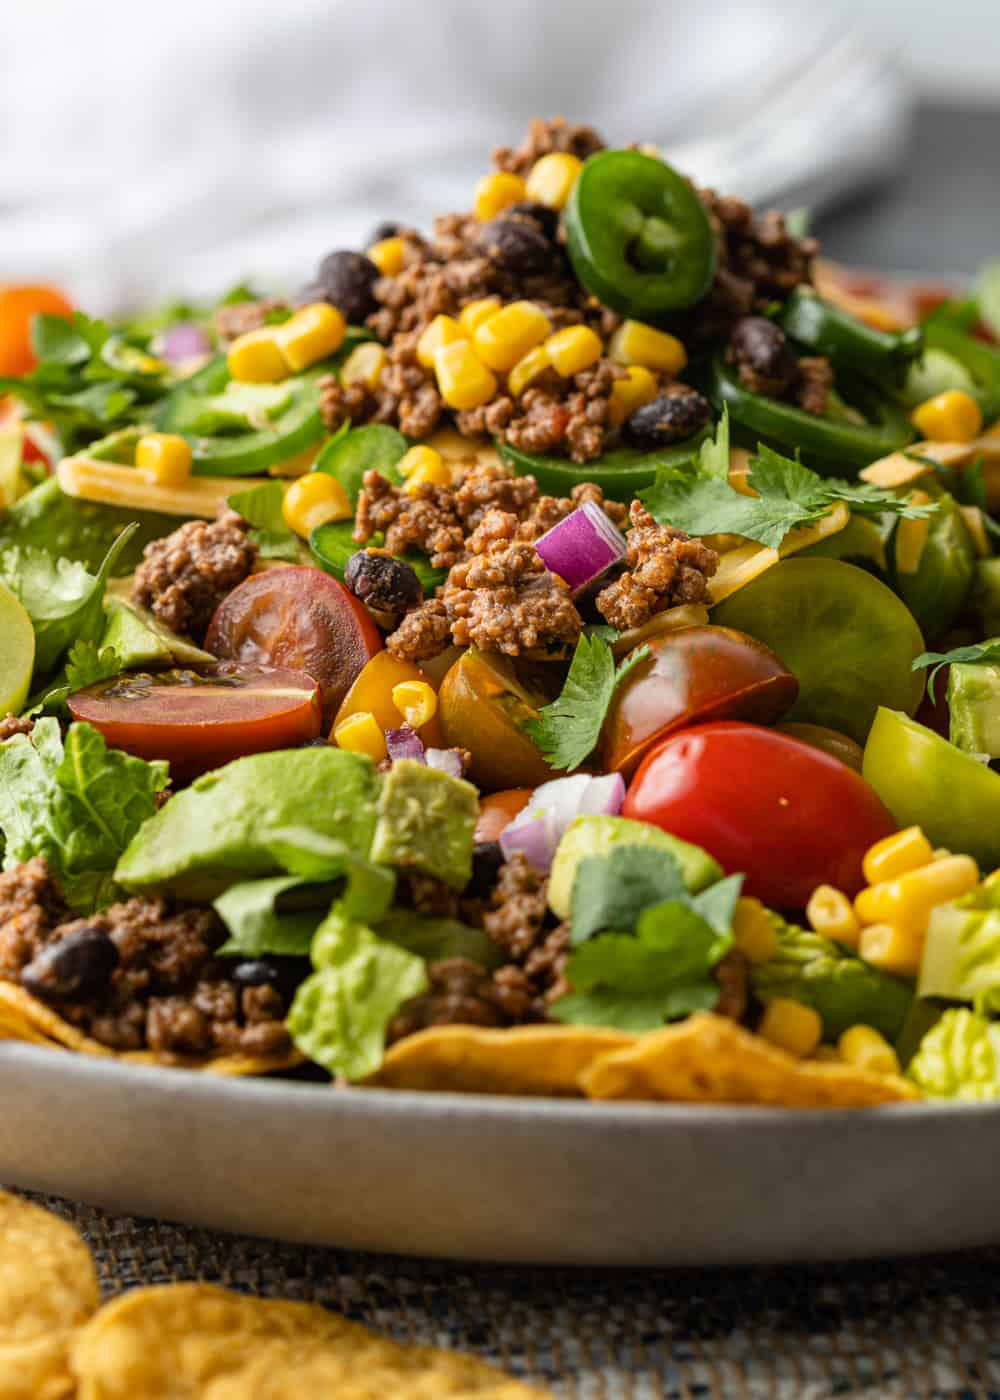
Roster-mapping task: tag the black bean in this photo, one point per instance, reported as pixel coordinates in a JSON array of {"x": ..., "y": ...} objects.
[
  {"x": 78, "y": 965},
  {"x": 546, "y": 219},
  {"x": 487, "y": 859},
  {"x": 672, "y": 417},
  {"x": 388, "y": 587},
  {"x": 761, "y": 352},
  {"x": 516, "y": 245},
  {"x": 347, "y": 280},
  {"x": 386, "y": 229},
  {"x": 282, "y": 973}
]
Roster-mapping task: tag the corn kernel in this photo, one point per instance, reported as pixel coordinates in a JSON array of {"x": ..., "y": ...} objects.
[
  {"x": 359, "y": 733},
  {"x": 911, "y": 537},
  {"x": 573, "y": 349},
  {"x": 416, "y": 701},
  {"x": 551, "y": 179},
  {"x": 863, "y": 1047},
  {"x": 892, "y": 949},
  {"x": 462, "y": 379},
  {"x": 364, "y": 365},
  {"x": 635, "y": 343},
  {"x": 791, "y": 1026},
  {"x": 313, "y": 500},
  {"x": 472, "y": 316},
  {"x": 256, "y": 358},
  {"x": 953, "y": 416},
  {"x": 753, "y": 931},
  {"x": 313, "y": 333},
  {"x": 528, "y": 368},
  {"x": 507, "y": 336},
  {"x": 638, "y": 387},
  {"x": 497, "y": 192},
  {"x": 164, "y": 458},
  {"x": 423, "y": 456},
  {"x": 388, "y": 255},
  {"x": 443, "y": 330},
  {"x": 830, "y": 913},
  {"x": 897, "y": 855},
  {"x": 909, "y": 899}
]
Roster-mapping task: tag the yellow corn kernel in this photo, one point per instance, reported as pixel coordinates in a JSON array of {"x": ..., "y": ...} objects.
[
  {"x": 635, "y": 343},
  {"x": 909, "y": 899},
  {"x": 416, "y": 701},
  {"x": 388, "y": 255},
  {"x": 892, "y": 949},
  {"x": 313, "y": 500},
  {"x": 443, "y": 330},
  {"x": 953, "y": 416},
  {"x": 753, "y": 931},
  {"x": 528, "y": 368},
  {"x": 507, "y": 336},
  {"x": 551, "y": 179},
  {"x": 497, "y": 192},
  {"x": 897, "y": 855},
  {"x": 830, "y": 913},
  {"x": 364, "y": 365},
  {"x": 164, "y": 458},
  {"x": 256, "y": 358},
  {"x": 463, "y": 380},
  {"x": 639, "y": 386},
  {"x": 912, "y": 536},
  {"x": 313, "y": 333},
  {"x": 359, "y": 733},
  {"x": 864, "y": 1048},
  {"x": 573, "y": 349},
  {"x": 827, "y": 1054},
  {"x": 427, "y": 458},
  {"x": 791, "y": 1026},
  {"x": 472, "y": 316}
]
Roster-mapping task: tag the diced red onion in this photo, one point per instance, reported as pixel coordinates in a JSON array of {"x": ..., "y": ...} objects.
[
  {"x": 582, "y": 547},
  {"x": 183, "y": 342},
  {"x": 533, "y": 838},
  {"x": 538, "y": 828},
  {"x": 404, "y": 743},
  {"x": 448, "y": 760}
]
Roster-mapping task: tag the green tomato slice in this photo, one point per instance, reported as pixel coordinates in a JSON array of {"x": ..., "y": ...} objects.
[
  {"x": 845, "y": 635},
  {"x": 926, "y": 781},
  {"x": 17, "y": 653}
]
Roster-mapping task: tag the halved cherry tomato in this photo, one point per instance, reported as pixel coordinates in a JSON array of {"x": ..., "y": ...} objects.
[
  {"x": 299, "y": 618},
  {"x": 483, "y": 707},
  {"x": 694, "y": 674},
  {"x": 199, "y": 720},
  {"x": 18, "y": 307},
  {"x": 786, "y": 815},
  {"x": 499, "y": 810},
  {"x": 372, "y": 692}
]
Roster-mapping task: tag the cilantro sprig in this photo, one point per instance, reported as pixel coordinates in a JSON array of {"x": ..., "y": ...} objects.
[
  {"x": 983, "y": 654},
  {"x": 567, "y": 730}
]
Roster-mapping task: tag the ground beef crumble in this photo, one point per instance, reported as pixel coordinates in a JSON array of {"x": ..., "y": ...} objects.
[
  {"x": 664, "y": 568},
  {"x": 11, "y": 725},
  {"x": 242, "y": 316},
  {"x": 185, "y": 576},
  {"x": 542, "y": 139}
]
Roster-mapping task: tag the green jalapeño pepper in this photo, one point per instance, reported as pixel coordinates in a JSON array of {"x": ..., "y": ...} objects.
[
  {"x": 639, "y": 237},
  {"x": 620, "y": 473},
  {"x": 829, "y": 445},
  {"x": 847, "y": 342},
  {"x": 242, "y": 429}
]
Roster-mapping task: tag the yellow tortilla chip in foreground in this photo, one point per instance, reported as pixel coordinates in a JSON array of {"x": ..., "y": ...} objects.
[
  {"x": 533, "y": 1060},
  {"x": 182, "y": 1340},
  {"x": 710, "y": 1059},
  {"x": 48, "y": 1288},
  {"x": 24, "y": 1017}
]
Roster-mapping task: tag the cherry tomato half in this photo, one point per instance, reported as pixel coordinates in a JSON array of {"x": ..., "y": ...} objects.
[
  {"x": 18, "y": 307},
  {"x": 299, "y": 618},
  {"x": 199, "y": 720},
  {"x": 785, "y": 814}
]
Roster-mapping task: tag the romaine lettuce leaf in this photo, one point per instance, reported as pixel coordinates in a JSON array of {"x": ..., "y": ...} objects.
[
  {"x": 959, "y": 1058},
  {"x": 81, "y": 531}
]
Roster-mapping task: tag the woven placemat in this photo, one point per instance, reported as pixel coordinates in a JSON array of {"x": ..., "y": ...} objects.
[{"x": 925, "y": 1329}]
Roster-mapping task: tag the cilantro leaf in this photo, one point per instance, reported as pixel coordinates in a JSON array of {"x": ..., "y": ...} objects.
[
  {"x": 713, "y": 458},
  {"x": 86, "y": 664},
  {"x": 567, "y": 730},
  {"x": 261, "y": 508},
  {"x": 984, "y": 654},
  {"x": 610, "y": 892}
]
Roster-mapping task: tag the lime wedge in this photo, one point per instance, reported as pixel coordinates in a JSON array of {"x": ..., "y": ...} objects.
[{"x": 17, "y": 653}]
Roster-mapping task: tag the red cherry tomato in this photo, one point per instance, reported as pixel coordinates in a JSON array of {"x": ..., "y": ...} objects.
[
  {"x": 18, "y": 308},
  {"x": 199, "y": 720},
  {"x": 302, "y": 619},
  {"x": 785, "y": 814},
  {"x": 499, "y": 810}
]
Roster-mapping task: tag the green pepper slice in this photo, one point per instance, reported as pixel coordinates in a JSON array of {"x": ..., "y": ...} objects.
[
  {"x": 639, "y": 238},
  {"x": 847, "y": 342},
  {"x": 977, "y": 358},
  {"x": 936, "y": 593},
  {"x": 334, "y": 543},
  {"x": 220, "y": 420},
  {"x": 374, "y": 447},
  {"x": 828, "y": 445},
  {"x": 620, "y": 474}
]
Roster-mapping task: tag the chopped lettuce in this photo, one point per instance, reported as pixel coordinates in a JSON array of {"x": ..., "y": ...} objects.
[
  {"x": 961, "y": 959},
  {"x": 262, "y": 508},
  {"x": 433, "y": 939},
  {"x": 80, "y": 531},
  {"x": 77, "y": 803},
  {"x": 844, "y": 990},
  {"x": 959, "y": 1058}
]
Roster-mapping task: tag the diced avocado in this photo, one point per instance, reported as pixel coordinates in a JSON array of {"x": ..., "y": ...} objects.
[
  {"x": 426, "y": 822},
  {"x": 974, "y": 708},
  {"x": 984, "y": 599},
  {"x": 596, "y": 836},
  {"x": 961, "y": 959},
  {"x": 140, "y": 639},
  {"x": 959, "y": 1058},
  {"x": 234, "y": 823}
]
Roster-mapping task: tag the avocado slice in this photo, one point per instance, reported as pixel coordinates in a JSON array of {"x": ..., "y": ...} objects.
[
  {"x": 974, "y": 707},
  {"x": 141, "y": 639},
  {"x": 961, "y": 960},
  {"x": 426, "y": 822}
]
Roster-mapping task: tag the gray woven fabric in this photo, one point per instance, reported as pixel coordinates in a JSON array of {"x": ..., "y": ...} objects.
[{"x": 925, "y": 1329}]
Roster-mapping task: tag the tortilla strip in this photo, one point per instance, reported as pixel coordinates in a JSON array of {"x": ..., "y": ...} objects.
[{"x": 710, "y": 1059}]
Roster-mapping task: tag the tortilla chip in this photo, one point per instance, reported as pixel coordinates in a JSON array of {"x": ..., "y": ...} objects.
[
  {"x": 534, "y": 1060},
  {"x": 48, "y": 1288},
  {"x": 24, "y": 1017},
  {"x": 181, "y": 1340},
  {"x": 710, "y": 1059}
]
